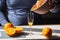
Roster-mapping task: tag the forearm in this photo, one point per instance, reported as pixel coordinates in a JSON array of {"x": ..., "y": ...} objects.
[{"x": 2, "y": 19}]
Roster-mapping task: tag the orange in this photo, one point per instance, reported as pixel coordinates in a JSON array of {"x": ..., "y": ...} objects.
[
  {"x": 18, "y": 29},
  {"x": 47, "y": 32},
  {"x": 34, "y": 7},
  {"x": 10, "y": 31},
  {"x": 7, "y": 25}
]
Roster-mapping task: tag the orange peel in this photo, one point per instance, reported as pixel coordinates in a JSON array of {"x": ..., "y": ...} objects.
[
  {"x": 10, "y": 31},
  {"x": 18, "y": 29}
]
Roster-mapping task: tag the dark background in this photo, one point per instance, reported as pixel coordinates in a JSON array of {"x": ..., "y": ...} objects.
[{"x": 48, "y": 18}]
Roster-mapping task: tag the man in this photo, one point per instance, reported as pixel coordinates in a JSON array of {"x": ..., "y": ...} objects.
[
  {"x": 17, "y": 11},
  {"x": 17, "y": 14}
]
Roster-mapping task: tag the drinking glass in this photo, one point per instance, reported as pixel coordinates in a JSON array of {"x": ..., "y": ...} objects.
[{"x": 30, "y": 19}]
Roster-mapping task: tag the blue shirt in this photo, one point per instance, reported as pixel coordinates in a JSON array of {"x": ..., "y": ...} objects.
[{"x": 17, "y": 11}]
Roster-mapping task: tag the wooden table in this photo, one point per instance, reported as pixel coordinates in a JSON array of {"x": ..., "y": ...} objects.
[{"x": 36, "y": 30}]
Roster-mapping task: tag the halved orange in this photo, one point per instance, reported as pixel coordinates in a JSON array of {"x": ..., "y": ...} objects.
[
  {"x": 18, "y": 29},
  {"x": 38, "y": 4},
  {"x": 8, "y": 25},
  {"x": 10, "y": 31},
  {"x": 47, "y": 32}
]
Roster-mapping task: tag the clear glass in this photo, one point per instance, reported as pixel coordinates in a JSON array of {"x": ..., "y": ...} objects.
[{"x": 30, "y": 20}]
